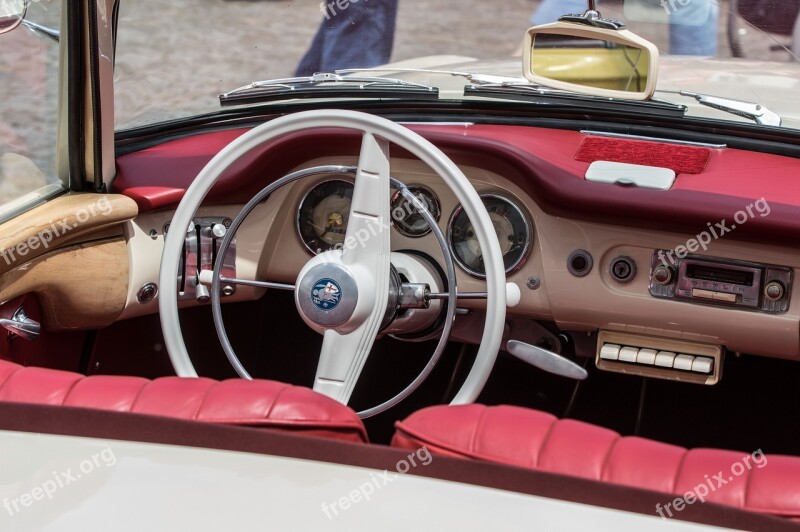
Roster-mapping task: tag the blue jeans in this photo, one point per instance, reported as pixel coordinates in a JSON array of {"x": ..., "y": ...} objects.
[
  {"x": 692, "y": 23},
  {"x": 692, "y": 27},
  {"x": 353, "y": 34}
]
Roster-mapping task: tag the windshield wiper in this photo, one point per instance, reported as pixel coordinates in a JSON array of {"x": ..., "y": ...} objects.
[
  {"x": 754, "y": 111},
  {"x": 542, "y": 95},
  {"x": 477, "y": 79},
  {"x": 327, "y": 85},
  {"x": 50, "y": 33}
]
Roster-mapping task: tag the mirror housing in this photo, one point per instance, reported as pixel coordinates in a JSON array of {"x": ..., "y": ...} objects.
[
  {"x": 587, "y": 59},
  {"x": 12, "y": 13}
]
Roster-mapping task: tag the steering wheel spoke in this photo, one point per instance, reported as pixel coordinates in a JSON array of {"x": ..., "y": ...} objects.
[
  {"x": 365, "y": 256},
  {"x": 340, "y": 362},
  {"x": 367, "y": 237}
]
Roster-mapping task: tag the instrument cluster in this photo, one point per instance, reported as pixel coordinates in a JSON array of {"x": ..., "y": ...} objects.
[{"x": 324, "y": 210}]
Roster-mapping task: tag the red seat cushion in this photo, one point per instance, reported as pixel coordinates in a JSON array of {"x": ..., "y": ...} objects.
[
  {"x": 257, "y": 403},
  {"x": 528, "y": 438}
]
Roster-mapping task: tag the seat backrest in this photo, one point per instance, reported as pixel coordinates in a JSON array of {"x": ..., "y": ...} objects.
[
  {"x": 522, "y": 437},
  {"x": 256, "y": 403}
]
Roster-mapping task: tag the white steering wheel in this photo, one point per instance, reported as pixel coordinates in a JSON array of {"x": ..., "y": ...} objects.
[{"x": 358, "y": 273}]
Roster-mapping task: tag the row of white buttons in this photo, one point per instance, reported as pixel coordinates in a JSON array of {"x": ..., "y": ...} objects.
[{"x": 651, "y": 357}]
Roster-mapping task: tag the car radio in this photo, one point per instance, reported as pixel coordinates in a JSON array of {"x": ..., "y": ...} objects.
[{"x": 714, "y": 281}]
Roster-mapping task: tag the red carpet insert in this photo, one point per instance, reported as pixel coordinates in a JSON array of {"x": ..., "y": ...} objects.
[{"x": 681, "y": 159}]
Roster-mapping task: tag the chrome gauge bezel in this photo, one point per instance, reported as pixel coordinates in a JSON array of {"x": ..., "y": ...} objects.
[
  {"x": 299, "y": 207},
  {"x": 431, "y": 195},
  {"x": 526, "y": 220}
]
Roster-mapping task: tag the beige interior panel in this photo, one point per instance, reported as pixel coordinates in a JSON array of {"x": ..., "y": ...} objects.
[
  {"x": 598, "y": 302},
  {"x": 145, "y": 241},
  {"x": 59, "y": 222},
  {"x": 79, "y": 287},
  {"x": 288, "y": 255},
  {"x": 269, "y": 247}
]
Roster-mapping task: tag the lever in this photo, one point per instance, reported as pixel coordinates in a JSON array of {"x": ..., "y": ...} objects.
[
  {"x": 21, "y": 325},
  {"x": 546, "y": 360},
  {"x": 202, "y": 294},
  {"x": 513, "y": 295}
]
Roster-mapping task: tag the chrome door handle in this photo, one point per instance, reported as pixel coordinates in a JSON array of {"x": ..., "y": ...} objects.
[{"x": 21, "y": 325}]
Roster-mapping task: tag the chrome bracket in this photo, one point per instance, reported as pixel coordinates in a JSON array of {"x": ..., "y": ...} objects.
[
  {"x": 203, "y": 239},
  {"x": 593, "y": 18}
]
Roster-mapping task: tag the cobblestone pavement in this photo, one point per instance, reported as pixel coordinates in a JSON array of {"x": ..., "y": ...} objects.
[{"x": 175, "y": 57}]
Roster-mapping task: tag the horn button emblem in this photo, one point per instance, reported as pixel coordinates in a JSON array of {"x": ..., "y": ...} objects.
[{"x": 327, "y": 295}]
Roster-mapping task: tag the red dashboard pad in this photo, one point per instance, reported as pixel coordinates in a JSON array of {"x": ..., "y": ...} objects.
[{"x": 681, "y": 159}]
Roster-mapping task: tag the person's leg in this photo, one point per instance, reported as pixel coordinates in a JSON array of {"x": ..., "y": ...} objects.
[
  {"x": 359, "y": 36},
  {"x": 693, "y": 27},
  {"x": 312, "y": 59}
]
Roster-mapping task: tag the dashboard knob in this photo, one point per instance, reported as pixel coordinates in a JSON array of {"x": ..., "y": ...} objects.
[
  {"x": 774, "y": 291},
  {"x": 663, "y": 275},
  {"x": 219, "y": 230}
]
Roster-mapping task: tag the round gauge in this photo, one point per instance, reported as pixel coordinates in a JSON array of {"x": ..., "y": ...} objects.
[
  {"x": 406, "y": 219},
  {"x": 323, "y": 214},
  {"x": 511, "y": 226}
]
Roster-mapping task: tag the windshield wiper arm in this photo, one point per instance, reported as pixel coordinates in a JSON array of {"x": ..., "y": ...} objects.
[
  {"x": 50, "y": 33},
  {"x": 327, "y": 85},
  {"x": 470, "y": 76},
  {"x": 754, "y": 111},
  {"x": 542, "y": 95}
]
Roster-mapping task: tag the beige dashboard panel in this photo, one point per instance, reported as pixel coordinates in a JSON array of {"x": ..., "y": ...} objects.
[
  {"x": 596, "y": 301},
  {"x": 60, "y": 222},
  {"x": 145, "y": 244},
  {"x": 286, "y": 255},
  {"x": 79, "y": 287},
  {"x": 269, "y": 248},
  {"x": 589, "y": 303}
]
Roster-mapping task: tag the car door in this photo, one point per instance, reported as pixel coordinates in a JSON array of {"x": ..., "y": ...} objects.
[{"x": 61, "y": 236}]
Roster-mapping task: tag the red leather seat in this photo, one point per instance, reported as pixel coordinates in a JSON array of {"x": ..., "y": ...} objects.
[
  {"x": 257, "y": 403},
  {"x": 523, "y": 437}
]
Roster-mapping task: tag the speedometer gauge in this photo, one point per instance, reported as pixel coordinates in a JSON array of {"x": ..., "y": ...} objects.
[
  {"x": 323, "y": 215},
  {"x": 513, "y": 231}
]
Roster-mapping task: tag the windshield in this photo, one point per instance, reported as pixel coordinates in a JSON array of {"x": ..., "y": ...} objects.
[
  {"x": 174, "y": 59},
  {"x": 28, "y": 113}
]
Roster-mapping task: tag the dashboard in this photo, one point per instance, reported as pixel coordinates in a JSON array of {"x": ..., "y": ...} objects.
[{"x": 585, "y": 264}]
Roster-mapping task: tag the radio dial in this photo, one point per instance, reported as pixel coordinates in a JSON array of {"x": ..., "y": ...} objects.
[
  {"x": 774, "y": 291},
  {"x": 663, "y": 275}
]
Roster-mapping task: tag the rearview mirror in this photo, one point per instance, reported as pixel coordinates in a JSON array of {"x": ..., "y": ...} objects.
[
  {"x": 602, "y": 62},
  {"x": 12, "y": 13}
]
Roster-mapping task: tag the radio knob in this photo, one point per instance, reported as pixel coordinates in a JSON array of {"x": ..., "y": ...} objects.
[
  {"x": 774, "y": 291},
  {"x": 662, "y": 275}
]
